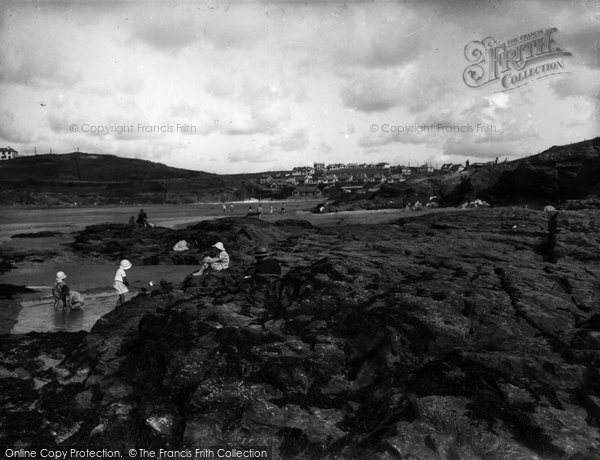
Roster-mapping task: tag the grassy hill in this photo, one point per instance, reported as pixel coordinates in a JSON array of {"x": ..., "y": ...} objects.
[{"x": 84, "y": 178}]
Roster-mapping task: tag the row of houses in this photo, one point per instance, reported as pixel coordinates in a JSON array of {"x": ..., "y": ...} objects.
[
  {"x": 338, "y": 166},
  {"x": 307, "y": 175}
]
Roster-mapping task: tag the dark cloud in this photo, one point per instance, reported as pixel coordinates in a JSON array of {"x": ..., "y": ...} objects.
[
  {"x": 168, "y": 34},
  {"x": 369, "y": 96}
]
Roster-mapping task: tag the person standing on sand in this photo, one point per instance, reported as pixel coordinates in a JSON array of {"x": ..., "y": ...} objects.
[
  {"x": 271, "y": 209},
  {"x": 120, "y": 284},
  {"x": 259, "y": 210},
  {"x": 231, "y": 207},
  {"x": 224, "y": 207},
  {"x": 282, "y": 208},
  {"x": 221, "y": 262}
]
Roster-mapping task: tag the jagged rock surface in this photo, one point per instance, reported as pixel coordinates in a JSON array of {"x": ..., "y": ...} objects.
[{"x": 471, "y": 334}]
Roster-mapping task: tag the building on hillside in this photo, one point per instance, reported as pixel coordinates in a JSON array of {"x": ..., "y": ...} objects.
[
  {"x": 265, "y": 180},
  {"x": 303, "y": 171},
  {"x": 319, "y": 166},
  {"x": 8, "y": 153},
  {"x": 383, "y": 164},
  {"x": 395, "y": 178},
  {"x": 283, "y": 181},
  {"x": 425, "y": 169},
  {"x": 351, "y": 188},
  {"x": 406, "y": 170},
  {"x": 306, "y": 191},
  {"x": 480, "y": 165},
  {"x": 456, "y": 168},
  {"x": 328, "y": 179}
]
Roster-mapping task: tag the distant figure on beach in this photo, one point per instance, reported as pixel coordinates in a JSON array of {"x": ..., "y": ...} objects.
[
  {"x": 132, "y": 220},
  {"x": 250, "y": 209},
  {"x": 259, "y": 210},
  {"x": 57, "y": 288},
  {"x": 142, "y": 218},
  {"x": 224, "y": 207},
  {"x": 271, "y": 209},
  {"x": 282, "y": 208},
  {"x": 548, "y": 209},
  {"x": 265, "y": 265},
  {"x": 120, "y": 284},
  {"x": 231, "y": 207},
  {"x": 218, "y": 263},
  {"x": 73, "y": 300}
]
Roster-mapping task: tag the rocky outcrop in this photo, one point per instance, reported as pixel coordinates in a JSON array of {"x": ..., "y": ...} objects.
[
  {"x": 152, "y": 246},
  {"x": 560, "y": 173},
  {"x": 448, "y": 335}
]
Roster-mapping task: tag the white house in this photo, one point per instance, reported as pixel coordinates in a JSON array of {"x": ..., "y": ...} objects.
[{"x": 8, "y": 153}]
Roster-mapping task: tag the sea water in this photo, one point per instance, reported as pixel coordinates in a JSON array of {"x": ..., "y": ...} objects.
[{"x": 41, "y": 316}]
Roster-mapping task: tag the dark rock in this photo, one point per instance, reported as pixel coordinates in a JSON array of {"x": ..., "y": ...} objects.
[{"x": 379, "y": 342}]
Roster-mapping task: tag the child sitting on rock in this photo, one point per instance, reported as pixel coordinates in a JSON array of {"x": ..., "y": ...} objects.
[{"x": 221, "y": 262}]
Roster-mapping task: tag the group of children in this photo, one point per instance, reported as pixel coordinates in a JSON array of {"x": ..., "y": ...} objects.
[{"x": 73, "y": 300}]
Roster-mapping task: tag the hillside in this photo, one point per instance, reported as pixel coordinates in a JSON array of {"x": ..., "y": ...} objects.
[
  {"x": 560, "y": 173},
  {"x": 104, "y": 179}
]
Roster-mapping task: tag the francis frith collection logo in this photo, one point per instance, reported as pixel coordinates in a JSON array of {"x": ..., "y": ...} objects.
[{"x": 516, "y": 62}]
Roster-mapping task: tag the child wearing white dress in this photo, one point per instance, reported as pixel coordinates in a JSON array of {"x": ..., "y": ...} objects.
[{"x": 120, "y": 284}]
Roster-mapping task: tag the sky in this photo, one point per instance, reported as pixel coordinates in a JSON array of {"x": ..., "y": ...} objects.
[{"x": 255, "y": 86}]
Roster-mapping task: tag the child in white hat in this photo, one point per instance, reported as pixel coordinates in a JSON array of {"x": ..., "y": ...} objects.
[
  {"x": 57, "y": 288},
  {"x": 221, "y": 262},
  {"x": 120, "y": 284}
]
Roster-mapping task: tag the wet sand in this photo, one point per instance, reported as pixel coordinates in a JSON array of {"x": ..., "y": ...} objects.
[{"x": 36, "y": 219}]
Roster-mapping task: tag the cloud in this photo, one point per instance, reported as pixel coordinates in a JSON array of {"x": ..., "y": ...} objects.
[
  {"x": 583, "y": 42},
  {"x": 38, "y": 66},
  {"x": 581, "y": 82},
  {"x": 412, "y": 86},
  {"x": 260, "y": 118},
  {"x": 396, "y": 134},
  {"x": 185, "y": 110},
  {"x": 263, "y": 155},
  {"x": 219, "y": 88},
  {"x": 323, "y": 148},
  {"x": 371, "y": 94},
  {"x": 163, "y": 30},
  {"x": 459, "y": 147},
  {"x": 15, "y": 129},
  {"x": 130, "y": 85},
  {"x": 297, "y": 140}
]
